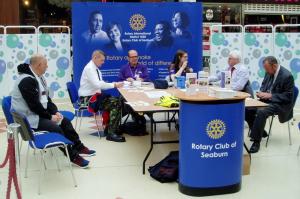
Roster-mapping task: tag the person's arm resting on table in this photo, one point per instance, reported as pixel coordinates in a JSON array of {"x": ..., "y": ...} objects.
[
  {"x": 95, "y": 82},
  {"x": 145, "y": 75}
]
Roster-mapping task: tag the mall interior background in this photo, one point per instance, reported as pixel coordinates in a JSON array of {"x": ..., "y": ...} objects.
[{"x": 245, "y": 12}]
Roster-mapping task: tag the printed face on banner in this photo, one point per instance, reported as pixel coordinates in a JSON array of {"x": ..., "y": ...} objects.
[
  {"x": 155, "y": 31},
  {"x": 115, "y": 34},
  {"x": 96, "y": 23}
]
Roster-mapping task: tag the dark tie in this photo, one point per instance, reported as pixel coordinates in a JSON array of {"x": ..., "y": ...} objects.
[
  {"x": 43, "y": 81},
  {"x": 231, "y": 70},
  {"x": 98, "y": 74},
  {"x": 270, "y": 83}
]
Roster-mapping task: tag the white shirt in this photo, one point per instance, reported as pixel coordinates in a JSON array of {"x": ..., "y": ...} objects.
[
  {"x": 91, "y": 81},
  {"x": 43, "y": 97},
  {"x": 239, "y": 77}
]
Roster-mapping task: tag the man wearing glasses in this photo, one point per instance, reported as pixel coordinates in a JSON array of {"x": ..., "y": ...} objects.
[
  {"x": 277, "y": 90},
  {"x": 239, "y": 74},
  {"x": 133, "y": 71}
]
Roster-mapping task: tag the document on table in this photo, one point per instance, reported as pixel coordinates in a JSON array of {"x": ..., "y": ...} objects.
[
  {"x": 138, "y": 103},
  {"x": 157, "y": 94}
]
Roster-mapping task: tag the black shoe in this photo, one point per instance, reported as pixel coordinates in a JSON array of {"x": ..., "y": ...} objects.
[
  {"x": 255, "y": 147},
  {"x": 265, "y": 134},
  {"x": 115, "y": 138},
  {"x": 119, "y": 131}
]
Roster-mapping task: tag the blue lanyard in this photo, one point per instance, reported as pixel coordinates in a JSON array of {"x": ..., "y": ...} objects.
[{"x": 132, "y": 72}]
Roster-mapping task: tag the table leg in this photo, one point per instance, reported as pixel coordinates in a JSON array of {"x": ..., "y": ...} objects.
[{"x": 151, "y": 142}]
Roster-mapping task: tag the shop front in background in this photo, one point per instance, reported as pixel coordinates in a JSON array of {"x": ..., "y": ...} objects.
[{"x": 217, "y": 14}]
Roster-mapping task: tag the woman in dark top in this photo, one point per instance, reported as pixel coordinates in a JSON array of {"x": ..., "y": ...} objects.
[
  {"x": 114, "y": 32},
  {"x": 179, "y": 66}
]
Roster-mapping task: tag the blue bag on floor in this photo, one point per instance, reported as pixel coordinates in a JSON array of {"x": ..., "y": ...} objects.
[{"x": 167, "y": 169}]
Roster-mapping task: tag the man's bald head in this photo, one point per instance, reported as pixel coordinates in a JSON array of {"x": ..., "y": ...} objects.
[
  {"x": 132, "y": 52},
  {"x": 98, "y": 53},
  {"x": 38, "y": 64},
  {"x": 133, "y": 57},
  {"x": 36, "y": 59},
  {"x": 98, "y": 57}
]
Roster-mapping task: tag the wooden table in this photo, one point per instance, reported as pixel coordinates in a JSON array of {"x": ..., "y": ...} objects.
[
  {"x": 147, "y": 106},
  {"x": 254, "y": 103}
]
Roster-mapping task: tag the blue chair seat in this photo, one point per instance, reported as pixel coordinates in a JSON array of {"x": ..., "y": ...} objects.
[
  {"x": 68, "y": 114},
  {"x": 48, "y": 140},
  {"x": 6, "y": 104}
]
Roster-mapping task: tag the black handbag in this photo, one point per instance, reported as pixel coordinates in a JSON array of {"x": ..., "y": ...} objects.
[
  {"x": 166, "y": 170},
  {"x": 161, "y": 84}
]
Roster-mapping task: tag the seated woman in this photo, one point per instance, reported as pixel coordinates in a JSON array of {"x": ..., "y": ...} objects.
[{"x": 179, "y": 66}]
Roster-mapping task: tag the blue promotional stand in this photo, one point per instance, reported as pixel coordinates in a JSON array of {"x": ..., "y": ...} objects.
[{"x": 211, "y": 145}]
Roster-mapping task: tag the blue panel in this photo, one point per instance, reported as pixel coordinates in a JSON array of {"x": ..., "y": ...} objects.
[
  {"x": 211, "y": 144},
  {"x": 138, "y": 22}
]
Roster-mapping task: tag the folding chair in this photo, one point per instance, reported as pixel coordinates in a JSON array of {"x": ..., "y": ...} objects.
[
  {"x": 296, "y": 92},
  {"x": 42, "y": 142},
  {"x": 74, "y": 97},
  {"x": 80, "y": 108}
]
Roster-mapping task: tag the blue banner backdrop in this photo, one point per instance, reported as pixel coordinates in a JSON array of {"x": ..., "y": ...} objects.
[{"x": 155, "y": 30}]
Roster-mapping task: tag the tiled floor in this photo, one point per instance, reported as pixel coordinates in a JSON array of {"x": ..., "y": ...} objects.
[
  {"x": 2, "y": 125},
  {"x": 116, "y": 171}
]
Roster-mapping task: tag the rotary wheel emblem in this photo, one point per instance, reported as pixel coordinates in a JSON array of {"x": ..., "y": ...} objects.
[
  {"x": 137, "y": 22},
  {"x": 216, "y": 129}
]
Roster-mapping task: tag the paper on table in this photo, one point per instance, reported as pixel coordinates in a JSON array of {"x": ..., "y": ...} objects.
[
  {"x": 135, "y": 91},
  {"x": 157, "y": 94},
  {"x": 138, "y": 103}
]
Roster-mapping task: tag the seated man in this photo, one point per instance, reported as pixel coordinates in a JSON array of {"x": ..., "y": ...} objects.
[
  {"x": 31, "y": 98},
  {"x": 239, "y": 74},
  {"x": 91, "y": 82},
  {"x": 133, "y": 70},
  {"x": 277, "y": 90}
]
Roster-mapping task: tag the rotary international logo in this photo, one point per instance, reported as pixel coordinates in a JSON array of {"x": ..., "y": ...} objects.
[
  {"x": 137, "y": 22},
  {"x": 215, "y": 129}
]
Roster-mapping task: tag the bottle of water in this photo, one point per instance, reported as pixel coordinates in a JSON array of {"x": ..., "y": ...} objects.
[{"x": 223, "y": 79}]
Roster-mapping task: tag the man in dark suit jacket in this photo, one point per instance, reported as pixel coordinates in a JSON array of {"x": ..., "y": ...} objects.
[{"x": 277, "y": 90}]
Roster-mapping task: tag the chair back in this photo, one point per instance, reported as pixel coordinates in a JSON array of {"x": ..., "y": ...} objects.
[
  {"x": 73, "y": 93},
  {"x": 25, "y": 131},
  {"x": 6, "y": 106},
  {"x": 248, "y": 89},
  {"x": 296, "y": 93}
]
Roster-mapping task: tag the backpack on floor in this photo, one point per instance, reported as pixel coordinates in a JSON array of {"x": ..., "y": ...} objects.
[
  {"x": 133, "y": 129},
  {"x": 167, "y": 169}
]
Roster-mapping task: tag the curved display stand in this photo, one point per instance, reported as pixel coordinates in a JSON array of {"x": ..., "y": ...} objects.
[{"x": 211, "y": 144}]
